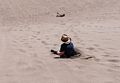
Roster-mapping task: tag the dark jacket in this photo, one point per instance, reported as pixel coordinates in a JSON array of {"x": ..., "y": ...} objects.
[{"x": 68, "y": 49}]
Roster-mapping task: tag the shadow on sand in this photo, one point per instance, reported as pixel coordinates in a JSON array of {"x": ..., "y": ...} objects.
[{"x": 73, "y": 57}]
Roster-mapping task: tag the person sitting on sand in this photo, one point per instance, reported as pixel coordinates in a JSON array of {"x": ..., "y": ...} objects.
[{"x": 67, "y": 48}]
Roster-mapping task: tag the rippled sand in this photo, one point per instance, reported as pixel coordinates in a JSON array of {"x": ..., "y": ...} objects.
[{"x": 25, "y": 46}]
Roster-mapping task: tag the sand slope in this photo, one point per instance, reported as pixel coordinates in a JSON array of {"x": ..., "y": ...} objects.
[{"x": 29, "y": 29}]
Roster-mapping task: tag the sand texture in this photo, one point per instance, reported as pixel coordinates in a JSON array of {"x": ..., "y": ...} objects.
[{"x": 30, "y": 28}]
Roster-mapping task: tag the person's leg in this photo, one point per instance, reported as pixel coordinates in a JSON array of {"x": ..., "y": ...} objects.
[
  {"x": 61, "y": 54},
  {"x": 54, "y": 52}
]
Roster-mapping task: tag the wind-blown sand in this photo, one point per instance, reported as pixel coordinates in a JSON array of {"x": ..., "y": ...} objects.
[{"x": 30, "y": 28}]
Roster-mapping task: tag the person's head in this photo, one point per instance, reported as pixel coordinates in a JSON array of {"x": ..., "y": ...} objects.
[{"x": 65, "y": 38}]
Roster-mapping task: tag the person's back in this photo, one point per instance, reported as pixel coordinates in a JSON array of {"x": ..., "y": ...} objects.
[{"x": 68, "y": 49}]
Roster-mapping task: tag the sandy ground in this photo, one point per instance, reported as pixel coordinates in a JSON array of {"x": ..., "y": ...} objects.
[{"x": 26, "y": 39}]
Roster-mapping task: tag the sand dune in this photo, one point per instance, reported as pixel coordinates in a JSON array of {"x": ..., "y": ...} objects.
[{"x": 30, "y": 28}]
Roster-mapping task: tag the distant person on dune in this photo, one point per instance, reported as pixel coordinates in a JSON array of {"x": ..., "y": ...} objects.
[{"x": 67, "y": 49}]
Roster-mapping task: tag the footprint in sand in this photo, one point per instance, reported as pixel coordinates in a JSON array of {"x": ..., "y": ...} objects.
[
  {"x": 35, "y": 55},
  {"x": 34, "y": 36},
  {"x": 89, "y": 26},
  {"x": 79, "y": 67},
  {"x": 47, "y": 38},
  {"x": 96, "y": 26},
  {"x": 29, "y": 68},
  {"x": 37, "y": 33},
  {"x": 113, "y": 60},
  {"x": 96, "y": 45},
  {"x": 112, "y": 48},
  {"x": 38, "y": 61},
  {"x": 106, "y": 55},
  {"x": 38, "y": 39},
  {"x": 24, "y": 66},
  {"x": 35, "y": 65},
  {"x": 83, "y": 25},
  {"x": 38, "y": 64},
  {"x": 14, "y": 41},
  {"x": 29, "y": 46},
  {"x": 21, "y": 63},
  {"x": 90, "y": 48},
  {"x": 55, "y": 44},
  {"x": 22, "y": 50},
  {"x": 20, "y": 30},
  {"x": 101, "y": 49},
  {"x": 44, "y": 42}
]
